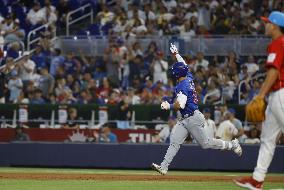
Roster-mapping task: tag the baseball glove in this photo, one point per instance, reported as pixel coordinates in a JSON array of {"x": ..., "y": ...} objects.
[{"x": 255, "y": 110}]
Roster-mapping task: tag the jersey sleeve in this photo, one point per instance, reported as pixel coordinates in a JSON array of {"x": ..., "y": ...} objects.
[
  {"x": 275, "y": 57},
  {"x": 181, "y": 98},
  {"x": 180, "y": 59}
]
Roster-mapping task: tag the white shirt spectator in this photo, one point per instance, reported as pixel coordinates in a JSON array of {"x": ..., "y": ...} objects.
[
  {"x": 35, "y": 17},
  {"x": 36, "y": 79},
  {"x": 252, "y": 68},
  {"x": 191, "y": 14},
  {"x": 167, "y": 16},
  {"x": 150, "y": 15},
  {"x": 213, "y": 5},
  {"x": 160, "y": 71},
  {"x": 248, "y": 13},
  {"x": 141, "y": 14},
  {"x": 204, "y": 63},
  {"x": 210, "y": 128},
  {"x": 15, "y": 86},
  {"x": 226, "y": 131},
  {"x": 228, "y": 89},
  {"x": 26, "y": 75},
  {"x": 51, "y": 17},
  {"x": 170, "y": 4},
  {"x": 252, "y": 141}
]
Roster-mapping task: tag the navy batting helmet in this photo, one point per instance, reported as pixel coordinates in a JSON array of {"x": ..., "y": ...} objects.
[{"x": 179, "y": 69}]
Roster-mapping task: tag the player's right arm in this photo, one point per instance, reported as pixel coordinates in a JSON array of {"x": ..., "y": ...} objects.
[
  {"x": 178, "y": 103},
  {"x": 174, "y": 51}
]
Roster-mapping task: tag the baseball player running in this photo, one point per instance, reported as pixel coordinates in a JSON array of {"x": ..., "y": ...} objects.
[
  {"x": 273, "y": 86},
  {"x": 192, "y": 120}
]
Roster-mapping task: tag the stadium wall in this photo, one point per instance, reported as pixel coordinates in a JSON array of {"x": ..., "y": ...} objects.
[
  {"x": 129, "y": 156},
  {"x": 143, "y": 112}
]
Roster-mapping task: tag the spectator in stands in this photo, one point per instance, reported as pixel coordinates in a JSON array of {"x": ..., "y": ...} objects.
[
  {"x": 11, "y": 29},
  {"x": 228, "y": 88},
  {"x": 244, "y": 74},
  {"x": 49, "y": 12},
  {"x": 237, "y": 123},
  {"x": 72, "y": 119},
  {"x": 254, "y": 89},
  {"x": 201, "y": 61},
  {"x": 165, "y": 133},
  {"x": 252, "y": 67},
  {"x": 39, "y": 58},
  {"x": 45, "y": 40},
  {"x": 160, "y": 68},
  {"x": 26, "y": 68},
  {"x": 123, "y": 113},
  {"x": 106, "y": 136},
  {"x": 133, "y": 97},
  {"x": 105, "y": 16},
  {"x": 187, "y": 31},
  {"x": 214, "y": 91},
  {"x": 46, "y": 82},
  {"x": 63, "y": 8},
  {"x": 15, "y": 86},
  {"x": 13, "y": 50},
  {"x": 60, "y": 88},
  {"x": 209, "y": 124},
  {"x": 57, "y": 60},
  {"x": 246, "y": 11},
  {"x": 20, "y": 135},
  {"x": 253, "y": 137},
  {"x": 226, "y": 130},
  {"x": 35, "y": 15},
  {"x": 38, "y": 97},
  {"x": 22, "y": 99},
  {"x": 85, "y": 97},
  {"x": 71, "y": 65}
]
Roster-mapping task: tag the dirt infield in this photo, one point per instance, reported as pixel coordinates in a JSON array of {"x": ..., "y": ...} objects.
[{"x": 120, "y": 177}]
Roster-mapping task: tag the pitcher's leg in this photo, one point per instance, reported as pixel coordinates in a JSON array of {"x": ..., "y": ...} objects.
[
  {"x": 269, "y": 133},
  {"x": 178, "y": 136}
]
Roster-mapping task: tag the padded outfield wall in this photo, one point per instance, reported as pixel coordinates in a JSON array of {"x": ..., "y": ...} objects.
[{"x": 138, "y": 156}]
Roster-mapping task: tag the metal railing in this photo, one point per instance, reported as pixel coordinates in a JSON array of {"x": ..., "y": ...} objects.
[
  {"x": 244, "y": 81},
  {"x": 83, "y": 8},
  {"x": 91, "y": 123},
  {"x": 212, "y": 94},
  {"x": 31, "y": 41},
  {"x": 210, "y": 46}
]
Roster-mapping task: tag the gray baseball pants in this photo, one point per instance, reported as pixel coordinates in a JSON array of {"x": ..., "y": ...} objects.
[{"x": 193, "y": 125}]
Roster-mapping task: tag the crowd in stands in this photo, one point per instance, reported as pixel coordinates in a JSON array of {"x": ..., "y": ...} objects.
[
  {"x": 127, "y": 74},
  {"x": 186, "y": 18}
]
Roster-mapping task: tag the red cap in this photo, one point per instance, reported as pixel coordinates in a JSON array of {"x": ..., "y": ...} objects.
[{"x": 265, "y": 19}]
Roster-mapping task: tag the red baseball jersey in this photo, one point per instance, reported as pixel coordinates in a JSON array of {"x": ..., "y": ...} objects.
[{"x": 276, "y": 59}]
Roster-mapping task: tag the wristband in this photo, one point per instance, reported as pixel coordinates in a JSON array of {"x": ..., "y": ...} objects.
[{"x": 171, "y": 106}]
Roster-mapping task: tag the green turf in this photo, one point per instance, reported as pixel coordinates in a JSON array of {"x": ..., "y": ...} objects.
[
  {"x": 13, "y": 184},
  {"x": 133, "y": 172},
  {"x": 118, "y": 185}
]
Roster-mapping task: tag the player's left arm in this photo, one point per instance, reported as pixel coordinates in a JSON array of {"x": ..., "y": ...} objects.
[
  {"x": 175, "y": 52},
  {"x": 270, "y": 79}
]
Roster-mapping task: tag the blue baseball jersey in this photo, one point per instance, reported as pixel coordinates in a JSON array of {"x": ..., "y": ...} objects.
[{"x": 187, "y": 88}]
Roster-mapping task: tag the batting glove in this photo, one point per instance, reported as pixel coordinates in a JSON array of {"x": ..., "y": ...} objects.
[
  {"x": 165, "y": 105},
  {"x": 173, "y": 49}
]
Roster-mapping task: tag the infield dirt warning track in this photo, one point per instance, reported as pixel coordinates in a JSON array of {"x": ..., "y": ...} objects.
[{"x": 123, "y": 177}]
